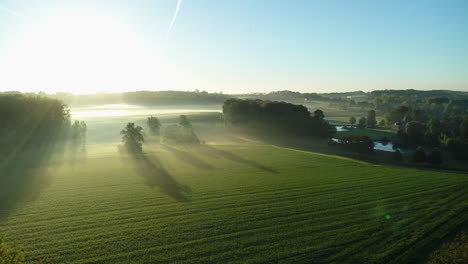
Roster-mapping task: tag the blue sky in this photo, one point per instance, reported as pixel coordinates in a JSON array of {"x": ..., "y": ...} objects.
[{"x": 246, "y": 46}]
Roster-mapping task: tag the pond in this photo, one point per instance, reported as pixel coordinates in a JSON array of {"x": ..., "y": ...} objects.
[
  {"x": 378, "y": 145},
  {"x": 341, "y": 128}
]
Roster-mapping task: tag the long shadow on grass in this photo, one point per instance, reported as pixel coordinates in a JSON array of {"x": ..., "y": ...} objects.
[
  {"x": 155, "y": 175},
  {"x": 189, "y": 158},
  {"x": 218, "y": 153},
  {"x": 23, "y": 175}
]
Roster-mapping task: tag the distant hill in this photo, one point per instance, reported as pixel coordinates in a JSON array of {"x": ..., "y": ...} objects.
[{"x": 422, "y": 94}]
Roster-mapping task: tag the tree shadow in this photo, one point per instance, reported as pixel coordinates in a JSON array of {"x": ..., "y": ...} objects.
[
  {"x": 189, "y": 158},
  {"x": 155, "y": 175},
  {"x": 217, "y": 153},
  {"x": 23, "y": 175}
]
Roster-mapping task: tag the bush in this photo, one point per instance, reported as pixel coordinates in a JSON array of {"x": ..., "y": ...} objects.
[
  {"x": 435, "y": 157},
  {"x": 397, "y": 155},
  {"x": 9, "y": 254},
  {"x": 419, "y": 155}
]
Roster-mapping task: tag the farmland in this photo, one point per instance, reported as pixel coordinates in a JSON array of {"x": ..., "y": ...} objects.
[{"x": 233, "y": 203}]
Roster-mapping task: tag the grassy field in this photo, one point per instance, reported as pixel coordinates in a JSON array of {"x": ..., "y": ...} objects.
[{"x": 245, "y": 203}]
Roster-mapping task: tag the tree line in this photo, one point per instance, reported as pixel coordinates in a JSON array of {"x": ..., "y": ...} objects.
[
  {"x": 28, "y": 121},
  {"x": 273, "y": 117}
]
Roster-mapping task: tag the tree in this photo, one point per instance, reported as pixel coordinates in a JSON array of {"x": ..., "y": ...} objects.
[
  {"x": 132, "y": 137},
  {"x": 397, "y": 114},
  {"x": 433, "y": 131},
  {"x": 273, "y": 117},
  {"x": 415, "y": 130},
  {"x": 455, "y": 147},
  {"x": 319, "y": 115},
  {"x": 154, "y": 125},
  {"x": 435, "y": 157},
  {"x": 79, "y": 131},
  {"x": 397, "y": 155},
  {"x": 362, "y": 122},
  {"x": 184, "y": 122},
  {"x": 464, "y": 129},
  {"x": 382, "y": 123},
  {"x": 352, "y": 120},
  {"x": 419, "y": 155},
  {"x": 10, "y": 255},
  {"x": 371, "y": 121}
]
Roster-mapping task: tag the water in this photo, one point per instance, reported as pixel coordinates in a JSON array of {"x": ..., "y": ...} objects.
[
  {"x": 378, "y": 146},
  {"x": 388, "y": 147},
  {"x": 341, "y": 128}
]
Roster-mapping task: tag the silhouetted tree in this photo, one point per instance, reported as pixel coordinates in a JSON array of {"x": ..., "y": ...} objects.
[
  {"x": 371, "y": 121},
  {"x": 154, "y": 125},
  {"x": 432, "y": 131},
  {"x": 464, "y": 129},
  {"x": 455, "y": 147},
  {"x": 132, "y": 137},
  {"x": 415, "y": 131},
  {"x": 185, "y": 122},
  {"x": 362, "y": 122},
  {"x": 319, "y": 115},
  {"x": 419, "y": 155},
  {"x": 382, "y": 123},
  {"x": 272, "y": 117},
  {"x": 29, "y": 121},
  {"x": 352, "y": 120}
]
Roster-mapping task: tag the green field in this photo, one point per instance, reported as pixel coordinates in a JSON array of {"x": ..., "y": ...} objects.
[{"x": 245, "y": 203}]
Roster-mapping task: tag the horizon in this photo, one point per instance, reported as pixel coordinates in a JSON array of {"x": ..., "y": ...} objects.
[
  {"x": 239, "y": 47},
  {"x": 227, "y": 93}
]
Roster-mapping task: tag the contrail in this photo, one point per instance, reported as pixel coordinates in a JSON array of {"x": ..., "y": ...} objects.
[
  {"x": 174, "y": 18},
  {"x": 12, "y": 12}
]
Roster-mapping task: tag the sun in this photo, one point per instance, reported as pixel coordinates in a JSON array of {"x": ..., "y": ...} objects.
[{"x": 82, "y": 51}]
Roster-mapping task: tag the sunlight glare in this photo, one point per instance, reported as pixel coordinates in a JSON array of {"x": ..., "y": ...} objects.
[{"x": 81, "y": 51}]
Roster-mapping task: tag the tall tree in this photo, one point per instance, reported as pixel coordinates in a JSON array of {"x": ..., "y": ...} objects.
[
  {"x": 352, "y": 120},
  {"x": 185, "y": 123},
  {"x": 361, "y": 122},
  {"x": 464, "y": 128},
  {"x": 319, "y": 115},
  {"x": 154, "y": 125},
  {"x": 132, "y": 137},
  {"x": 371, "y": 121}
]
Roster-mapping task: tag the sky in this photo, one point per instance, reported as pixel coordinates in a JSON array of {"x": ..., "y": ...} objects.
[{"x": 233, "y": 46}]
